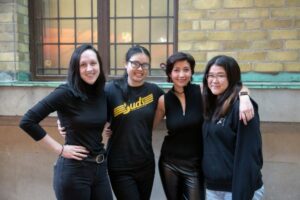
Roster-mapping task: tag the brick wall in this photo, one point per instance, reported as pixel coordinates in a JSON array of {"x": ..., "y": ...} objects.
[
  {"x": 263, "y": 35},
  {"x": 14, "y": 40}
]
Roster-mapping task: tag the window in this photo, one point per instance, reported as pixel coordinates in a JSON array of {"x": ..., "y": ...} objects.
[
  {"x": 113, "y": 26},
  {"x": 149, "y": 23}
]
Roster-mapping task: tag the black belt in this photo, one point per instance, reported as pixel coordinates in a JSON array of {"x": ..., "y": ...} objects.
[{"x": 97, "y": 159}]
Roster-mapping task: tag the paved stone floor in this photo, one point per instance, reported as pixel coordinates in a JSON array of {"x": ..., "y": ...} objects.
[{"x": 26, "y": 168}]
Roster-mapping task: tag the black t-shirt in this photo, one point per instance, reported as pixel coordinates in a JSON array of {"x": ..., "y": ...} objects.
[
  {"x": 184, "y": 139},
  {"x": 130, "y": 145},
  {"x": 83, "y": 119}
]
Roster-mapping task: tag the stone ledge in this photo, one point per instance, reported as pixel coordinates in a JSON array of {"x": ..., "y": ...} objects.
[{"x": 163, "y": 85}]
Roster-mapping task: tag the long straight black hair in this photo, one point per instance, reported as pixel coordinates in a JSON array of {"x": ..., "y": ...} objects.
[
  {"x": 216, "y": 107},
  {"x": 78, "y": 86},
  {"x": 122, "y": 83}
]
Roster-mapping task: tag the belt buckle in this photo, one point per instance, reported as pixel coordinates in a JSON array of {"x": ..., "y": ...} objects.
[{"x": 99, "y": 158}]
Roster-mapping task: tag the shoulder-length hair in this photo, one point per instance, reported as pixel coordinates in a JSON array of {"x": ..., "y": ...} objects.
[
  {"x": 216, "y": 107},
  {"x": 78, "y": 86},
  {"x": 179, "y": 56}
]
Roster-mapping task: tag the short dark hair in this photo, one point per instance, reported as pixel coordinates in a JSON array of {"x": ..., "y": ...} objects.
[
  {"x": 214, "y": 107},
  {"x": 179, "y": 56},
  {"x": 122, "y": 83},
  {"x": 74, "y": 80},
  {"x": 136, "y": 49}
]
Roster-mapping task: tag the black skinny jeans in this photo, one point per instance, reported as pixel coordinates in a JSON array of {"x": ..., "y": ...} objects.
[
  {"x": 81, "y": 180},
  {"x": 181, "y": 181},
  {"x": 133, "y": 184}
]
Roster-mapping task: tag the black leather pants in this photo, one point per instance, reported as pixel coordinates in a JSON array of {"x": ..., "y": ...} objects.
[{"x": 181, "y": 181}]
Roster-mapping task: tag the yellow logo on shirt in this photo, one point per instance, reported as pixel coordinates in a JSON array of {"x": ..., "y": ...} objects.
[{"x": 125, "y": 109}]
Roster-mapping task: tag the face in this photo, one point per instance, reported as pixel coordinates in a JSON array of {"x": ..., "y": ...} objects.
[
  {"x": 137, "y": 69},
  {"x": 89, "y": 67},
  {"x": 217, "y": 80},
  {"x": 181, "y": 74}
]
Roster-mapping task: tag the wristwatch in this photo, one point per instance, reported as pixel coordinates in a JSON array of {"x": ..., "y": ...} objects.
[{"x": 243, "y": 93}]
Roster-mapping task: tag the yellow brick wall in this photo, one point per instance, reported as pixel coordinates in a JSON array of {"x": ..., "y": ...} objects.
[
  {"x": 263, "y": 35},
  {"x": 14, "y": 40}
]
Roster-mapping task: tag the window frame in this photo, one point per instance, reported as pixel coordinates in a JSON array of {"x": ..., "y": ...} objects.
[{"x": 103, "y": 44}]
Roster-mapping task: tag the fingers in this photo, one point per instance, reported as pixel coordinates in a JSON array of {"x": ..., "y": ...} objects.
[
  {"x": 107, "y": 133},
  {"x": 75, "y": 152},
  {"x": 246, "y": 113},
  {"x": 107, "y": 125},
  {"x": 80, "y": 151},
  {"x": 79, "y": 156},
  {"x": 243, "y": 117},
  {"x": 246, "y": 109},
  {"x": 249, "y": 114},
  {"x": 106, "y": 130},
  {"x": 59, "y": 127},
  {"x": 246, "y": 116},
  {"x": 61, "y": 130}
]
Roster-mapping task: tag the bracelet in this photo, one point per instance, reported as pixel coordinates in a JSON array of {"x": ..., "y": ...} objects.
[
  {"x": 243, "y": 93},
  {"x": 62, "y": 150}
]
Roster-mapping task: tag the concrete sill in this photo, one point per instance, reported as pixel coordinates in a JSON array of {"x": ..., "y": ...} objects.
[{"x": 164, "y": 85}]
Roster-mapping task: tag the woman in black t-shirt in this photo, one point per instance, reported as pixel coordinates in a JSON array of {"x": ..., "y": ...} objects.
[{"x": 132, "y": 103}]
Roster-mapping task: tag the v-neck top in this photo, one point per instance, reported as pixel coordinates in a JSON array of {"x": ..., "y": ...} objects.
[{"x": 184, "y": 139}]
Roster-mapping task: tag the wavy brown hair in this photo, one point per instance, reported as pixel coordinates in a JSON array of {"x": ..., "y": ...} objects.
[{"x": 178, "y": 56}]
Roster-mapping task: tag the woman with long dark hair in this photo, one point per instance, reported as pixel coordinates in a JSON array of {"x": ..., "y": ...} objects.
[
  {"x": 81, "y": 170},
  {"x": 232, "y": 153}
]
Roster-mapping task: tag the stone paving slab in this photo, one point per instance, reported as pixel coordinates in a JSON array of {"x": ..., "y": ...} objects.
[{"x": 26, "y": 168}]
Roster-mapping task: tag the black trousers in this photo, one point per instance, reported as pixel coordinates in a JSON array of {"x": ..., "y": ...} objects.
[
  {"x": 133, "y": 184},
  {"x": 181, "y": 180},
  {"x": 81, "y": 180}
]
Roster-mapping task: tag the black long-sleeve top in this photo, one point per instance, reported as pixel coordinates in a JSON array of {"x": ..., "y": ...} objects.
[
  {"x": 232, "y": 157},
  {"x": 83, "y": 119},
  {"x": 184, "y": 139}
]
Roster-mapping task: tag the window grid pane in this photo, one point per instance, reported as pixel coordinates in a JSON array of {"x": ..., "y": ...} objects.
[
  {"x": 150, "y": 24},
  {"x": 62, "y": 26}
]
